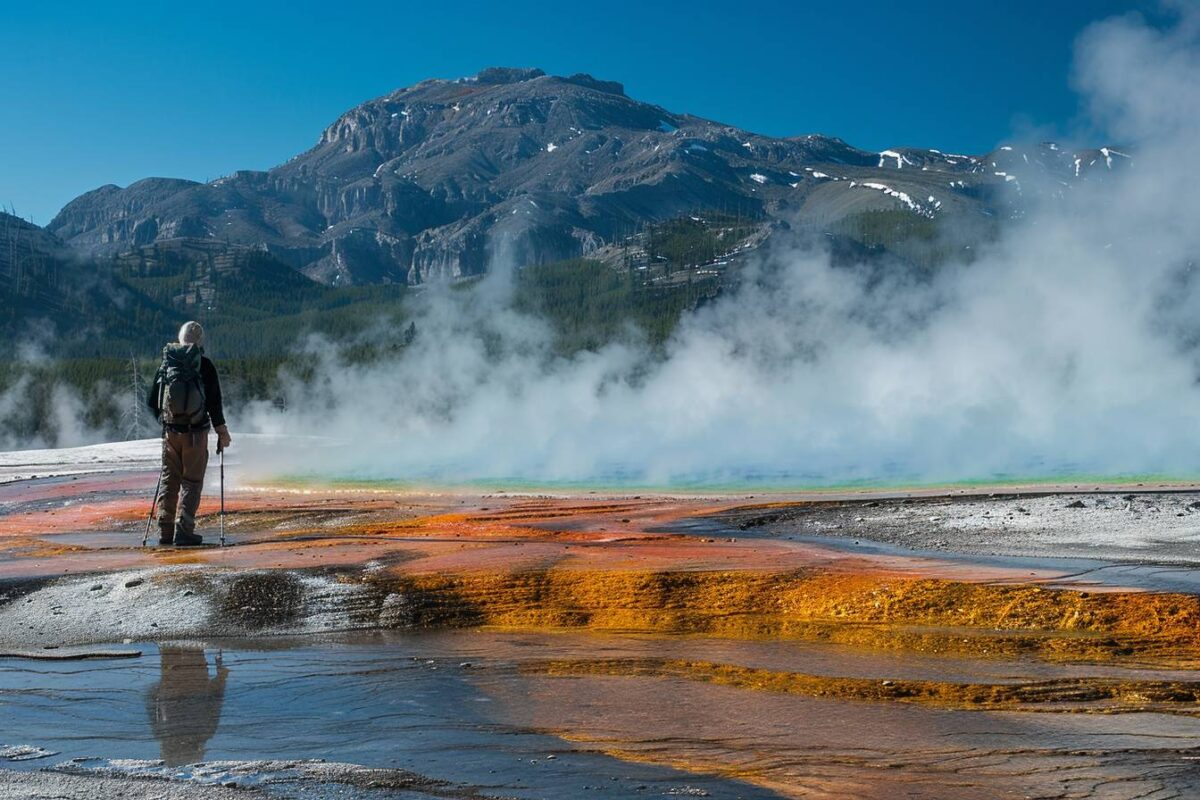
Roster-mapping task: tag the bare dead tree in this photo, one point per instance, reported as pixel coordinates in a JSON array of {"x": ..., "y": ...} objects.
[{"x": 133, "y": 420}]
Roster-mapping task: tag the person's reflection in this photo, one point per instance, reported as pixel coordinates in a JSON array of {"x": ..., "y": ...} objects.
[{"x": 185, "y": 704}]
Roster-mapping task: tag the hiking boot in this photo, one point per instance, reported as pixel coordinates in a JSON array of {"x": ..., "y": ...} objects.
[
  {"x": 187, "y": 539},
  {"x": 166, "y": 533}
]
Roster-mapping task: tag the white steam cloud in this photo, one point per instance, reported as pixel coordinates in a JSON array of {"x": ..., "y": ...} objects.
[
  {"x": 1067, "y": 347},
  {"x": 58, "y": 413}
]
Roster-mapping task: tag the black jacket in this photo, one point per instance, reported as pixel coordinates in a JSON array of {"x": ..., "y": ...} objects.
[{"x": 212, "y": 397}]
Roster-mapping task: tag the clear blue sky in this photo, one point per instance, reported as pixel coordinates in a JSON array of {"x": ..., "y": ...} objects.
[{"x": 96, "y": 93}]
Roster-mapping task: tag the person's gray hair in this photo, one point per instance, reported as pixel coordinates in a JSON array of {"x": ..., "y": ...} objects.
[{"x": 191, "y": 333}]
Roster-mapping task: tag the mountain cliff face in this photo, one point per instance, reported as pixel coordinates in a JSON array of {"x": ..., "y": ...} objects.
[{"x": 439, "y": 179}]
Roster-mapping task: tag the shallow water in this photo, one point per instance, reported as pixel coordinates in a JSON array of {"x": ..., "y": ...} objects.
[
  {"x": 464, "y": 707},
  {"x": 396, "y": 702}
]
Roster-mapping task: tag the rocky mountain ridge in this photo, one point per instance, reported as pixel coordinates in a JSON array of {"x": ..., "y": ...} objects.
[{"x": 441, "y": 179}]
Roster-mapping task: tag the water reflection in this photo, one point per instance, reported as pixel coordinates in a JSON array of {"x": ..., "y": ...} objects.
[
  {"x": 482, "y": 708},
  {"x": 185, "y": 705}
]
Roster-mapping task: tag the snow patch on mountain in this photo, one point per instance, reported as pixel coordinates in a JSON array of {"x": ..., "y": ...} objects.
[
  {"x": 901, "y": 160},
  {"x": 1108, "y": 153},
  {"x": 903, "y": 197}
]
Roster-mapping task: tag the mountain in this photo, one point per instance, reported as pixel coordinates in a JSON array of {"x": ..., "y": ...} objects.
[
  {"x": 439, "y": 179},
  {"x": 69, "y": 305},
  {"x": 50, "y": 297},
  {"x": 40, "y": 277},
  {"x": 30, "y": 260}
]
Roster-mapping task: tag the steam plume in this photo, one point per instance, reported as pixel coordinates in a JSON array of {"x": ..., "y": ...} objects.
[{"x": 1067, "y": 347}]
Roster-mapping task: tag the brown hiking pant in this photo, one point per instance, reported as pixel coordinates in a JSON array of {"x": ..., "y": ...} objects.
[{"x": 184, "y": 460}]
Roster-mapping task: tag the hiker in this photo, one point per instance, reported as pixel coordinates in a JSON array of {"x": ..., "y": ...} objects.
[{"x": 186, "y": 398}]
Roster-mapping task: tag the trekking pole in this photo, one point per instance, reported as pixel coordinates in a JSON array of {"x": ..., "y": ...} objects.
[
  {"x": 153, "y": 505},
  {"x": 221, "y": 452},
  {"x": 154, "y": 502}
]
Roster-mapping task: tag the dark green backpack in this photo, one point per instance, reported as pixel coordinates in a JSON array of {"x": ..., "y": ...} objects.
[{"x": 181, "y": 388}]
